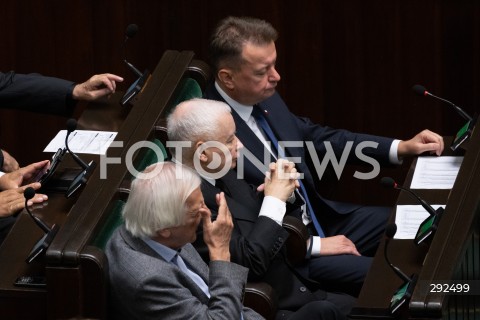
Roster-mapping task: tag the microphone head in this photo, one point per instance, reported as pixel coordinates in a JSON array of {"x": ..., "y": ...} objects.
[
  {"x": 390, "y": 230},
  {"x": 388, "y": 182},
  {"x": 29, "y": 193},
  {"x": 419, "y": 90},
  {"x": 131, "y": 30},
  {"x": 71, "y": 125}
]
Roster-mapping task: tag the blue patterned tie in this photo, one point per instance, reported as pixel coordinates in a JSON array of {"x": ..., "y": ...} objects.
[{"x": 259, "y": 117}]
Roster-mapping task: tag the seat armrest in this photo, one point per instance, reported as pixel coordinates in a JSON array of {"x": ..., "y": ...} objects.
[
  {"x": 261, "y": 297},
  {"x": 297, "y": 240}
]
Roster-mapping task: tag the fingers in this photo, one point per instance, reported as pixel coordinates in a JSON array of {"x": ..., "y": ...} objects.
[
  {"x": 10, "y": 207},
  {"x": 338, "y": 245},
  {"x": 9, "y": 162},
  {"x": 284, "y": 169},
  {"x": 11, "y": 180},
  {"x": 12, "y": 201},
  {"x": 425, "y": 141},
  {"x": 113, "y": 77},
  {"x": 207, "y": 218},
  {"x": 35, "y": 169},
  {"x": 108, "y": 80},
  {"x": 38, "y": 198},
  {"x": 223, "y": 211},
  {"x": 435, "y": 139},
  {"x": 282, "y": 180},
  {"x": 96, "y": 87},
  {"x": 34, "y": 185}
]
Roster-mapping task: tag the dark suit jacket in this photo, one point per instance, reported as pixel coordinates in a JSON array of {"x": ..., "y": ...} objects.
[
  {"x": 145, "y": 286},
  {"x": 288, "y": 127},
  {"x": 34, "y": 92},
  {"x": 258, "y": 243}
]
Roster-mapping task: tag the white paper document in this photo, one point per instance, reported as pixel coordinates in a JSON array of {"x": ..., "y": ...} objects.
[
  {"x": 435, "y": 172},
  {"x": 408, "y": 219},
  {"x": 83, "y": 141}
]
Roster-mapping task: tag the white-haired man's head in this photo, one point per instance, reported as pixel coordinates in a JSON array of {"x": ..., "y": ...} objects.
[{"x": 160, "y": 202}]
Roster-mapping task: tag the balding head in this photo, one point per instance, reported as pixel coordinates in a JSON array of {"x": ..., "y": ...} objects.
[{"x": 196, "y": 120}]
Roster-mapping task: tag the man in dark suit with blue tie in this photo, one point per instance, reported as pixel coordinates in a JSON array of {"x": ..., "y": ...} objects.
[{"x": 243, "y": 56}]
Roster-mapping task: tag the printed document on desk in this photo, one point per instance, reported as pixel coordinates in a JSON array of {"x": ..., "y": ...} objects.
[
  {"x": 408, "y": 219},
  {"x": 83, "y": 141},
  {"x": 435, "y": 172}
]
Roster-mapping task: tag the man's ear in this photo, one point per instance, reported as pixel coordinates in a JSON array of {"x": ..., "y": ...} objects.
[
  {"x": 164, "y": 233},
  {"x": 203, "y": 157},
  {"x": 225, "y": 76}
]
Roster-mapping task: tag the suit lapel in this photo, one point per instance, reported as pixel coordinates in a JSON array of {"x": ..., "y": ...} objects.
[
  {"x": 194, "y": 262},
  {"x": 249, "y": 139},
  {"x": 241, "y": 200}
]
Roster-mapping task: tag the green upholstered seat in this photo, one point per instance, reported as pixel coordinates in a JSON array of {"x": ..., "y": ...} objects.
[
  {"x": 188, "y": 89},
  {"x": 151, "y": 156},
  {"x": 114, "y": 220}
]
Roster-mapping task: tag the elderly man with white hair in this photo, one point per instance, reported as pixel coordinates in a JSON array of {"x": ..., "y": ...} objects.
[{"x": 155, "y": 273}]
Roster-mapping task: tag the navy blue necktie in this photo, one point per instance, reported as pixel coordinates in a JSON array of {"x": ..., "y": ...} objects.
[{"x": 259, "y": 117}]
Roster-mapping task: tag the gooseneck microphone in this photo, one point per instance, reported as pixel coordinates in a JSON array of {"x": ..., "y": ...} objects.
[
  {"x": 42, "y": 245},
  {"x": 130, "y": 32},
  {"x": 390, "y": 231},
  {"x": 72, "y": 126},
  {"x": 421, "y": 91},
  {"x": 388, "y": 182},
  {"x": 404, "y": 292},
  {"x": 82, "y": 177},
  {"x": 29, "y": 193}
]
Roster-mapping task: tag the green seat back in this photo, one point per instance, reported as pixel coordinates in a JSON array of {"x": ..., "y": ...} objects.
[
  {"x": 151, "y": 156},
  {"x": 114, "y": 220},
  {"x": 189, "y": 89}
]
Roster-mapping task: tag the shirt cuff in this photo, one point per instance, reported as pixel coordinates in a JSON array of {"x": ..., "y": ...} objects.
[
  {"x": 317, "y": 245},
  {"x": 393, "y": 154},
  {"x": 273, "y": 208}
]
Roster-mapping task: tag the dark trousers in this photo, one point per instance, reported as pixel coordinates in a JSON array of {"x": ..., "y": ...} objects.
[
  {"x": 333, "y": 307},
  {"x": 346, "y": 273}
]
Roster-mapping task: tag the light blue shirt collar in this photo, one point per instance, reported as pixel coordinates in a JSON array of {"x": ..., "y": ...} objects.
[{"x": 164, "y": 251}]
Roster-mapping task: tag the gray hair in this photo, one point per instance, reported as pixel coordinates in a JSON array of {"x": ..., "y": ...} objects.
[
  {"x": 194, "y": 120},
  {"x": 158, "y": 203},
  {"x": 231, "y": 34}
]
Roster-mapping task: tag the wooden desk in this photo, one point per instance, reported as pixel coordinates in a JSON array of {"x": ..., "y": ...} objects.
[
  {"x": 73, "y": 268},
  {"x": 453, "y": 253}
]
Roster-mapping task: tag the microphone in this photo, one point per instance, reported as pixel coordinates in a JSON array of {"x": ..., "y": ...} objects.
[
  {"x": 82, "y": 177},
  {"x": 44, "y": 242},
  {"x": 130, "y": 32},
  {"x": 390, "y": 231},
  {"x": 29, "y": 193},
  {"x": 421, "y": 91},
  {"x": 428, "y": 227},
  {"x": 388, "y": 182},
  {"x": 71, "y": 126},
  {"x": 404, "y": 292}
]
